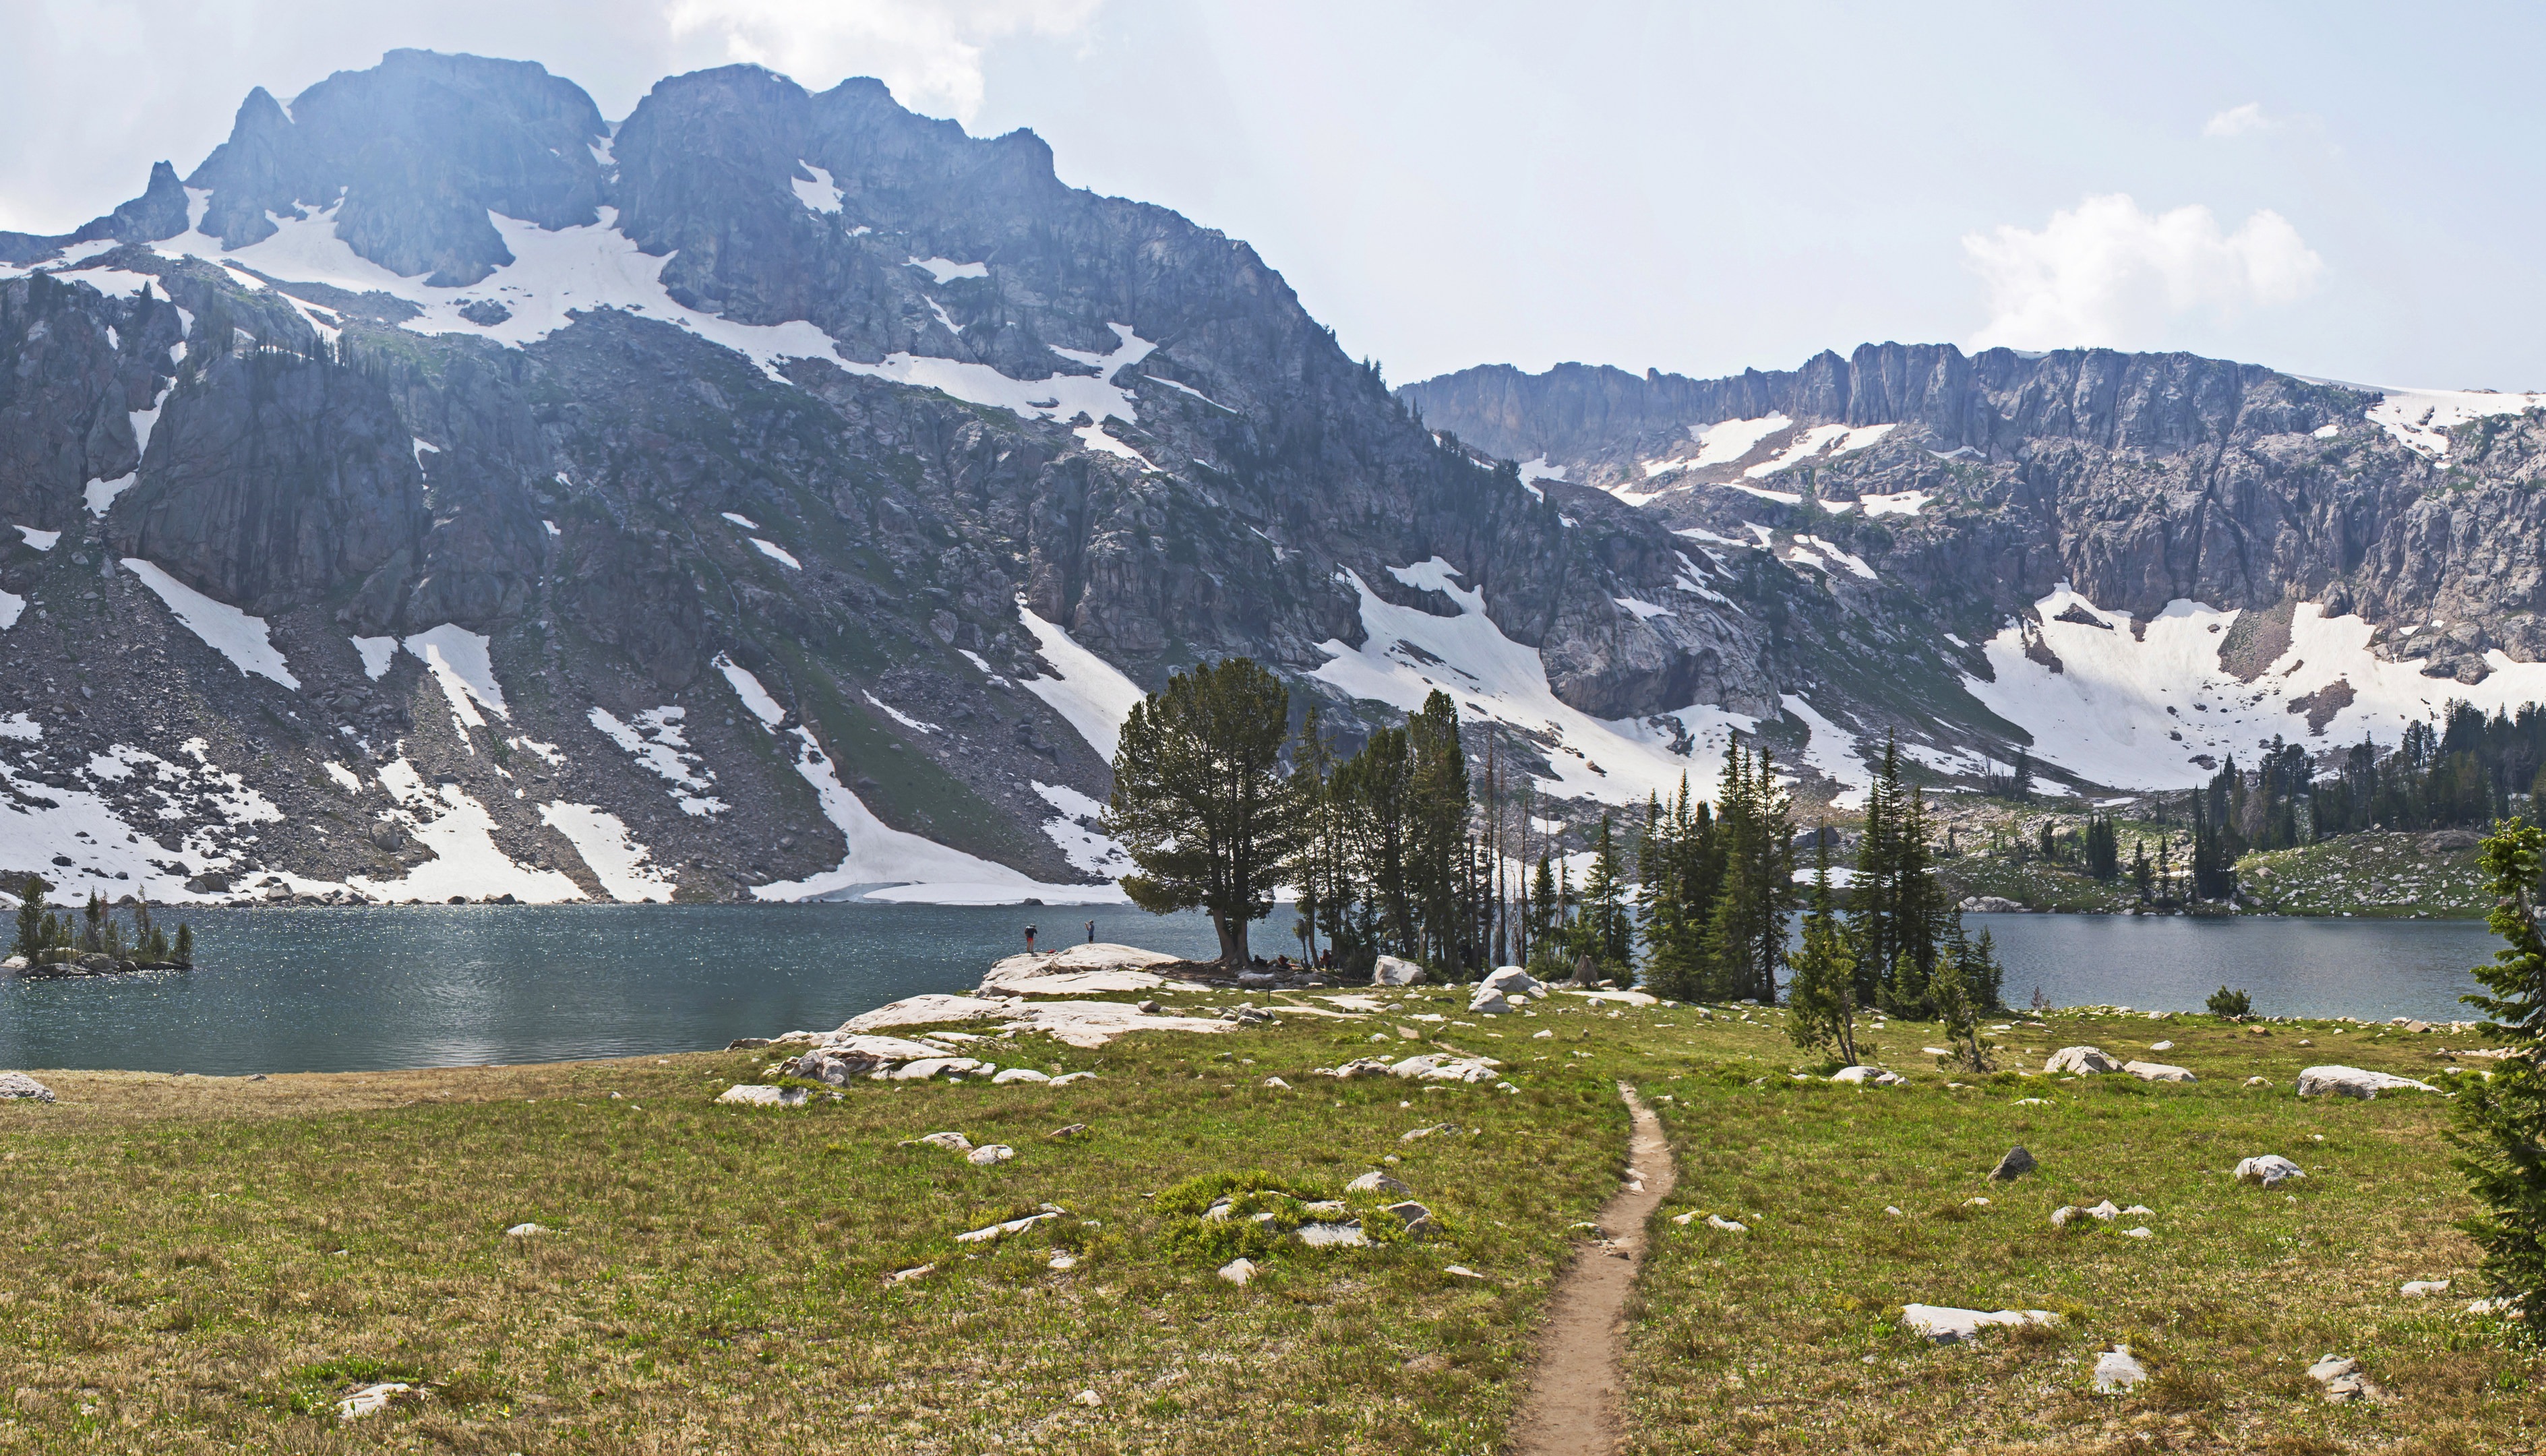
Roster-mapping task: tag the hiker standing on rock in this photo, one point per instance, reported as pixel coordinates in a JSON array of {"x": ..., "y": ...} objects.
[
  {"x": 1030, "y": 934},
  {"x": 1092, "y": 932}
]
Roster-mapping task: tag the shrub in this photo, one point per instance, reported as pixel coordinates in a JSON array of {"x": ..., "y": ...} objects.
[{"x": 2235, "y": 1005}]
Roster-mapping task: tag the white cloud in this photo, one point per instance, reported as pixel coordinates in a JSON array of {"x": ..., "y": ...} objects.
[
  {"x": 2237, "y": 120},
  {"x": 2107, "y": 273},
  {"x": 929, "y": 51}
]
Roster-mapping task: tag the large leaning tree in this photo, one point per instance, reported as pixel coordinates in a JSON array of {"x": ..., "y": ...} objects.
[{"x": 1199, "y": 799}]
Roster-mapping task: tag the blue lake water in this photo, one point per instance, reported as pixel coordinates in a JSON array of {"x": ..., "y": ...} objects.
[{"x": 434, "y": 986}]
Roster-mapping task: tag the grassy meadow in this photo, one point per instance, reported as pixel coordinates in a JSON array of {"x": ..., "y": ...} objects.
[{"x": 208, "y": 1263}]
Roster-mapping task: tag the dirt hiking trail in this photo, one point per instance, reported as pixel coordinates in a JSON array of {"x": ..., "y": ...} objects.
[{"x": 1575, "y": 1383}]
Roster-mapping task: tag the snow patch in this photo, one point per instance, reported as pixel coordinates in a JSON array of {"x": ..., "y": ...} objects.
[
  {"x": 1645, "y": 611},
  {"x": 344, "y": 777},
  {"x": 2420, "y": 419},
  {"x": 1899, "y": 503},
  {"x": 459, "y": 660},
  {"x": 908, "y": 866},
  {"x": 1089, "y": 691},
  {"x": 1720, "y": 443},
  {"x": 1080, "y": 834},
  {"x": 12, "y": 607},
  {"x": 899, "y": 716},
  {"x": 745, "y": 522},
  {"x": 819, "y": 194},
  {"x": 1835, "y": 752},
  {"x": 242, "y": 639},
  {"x": 377, "y": 653},
  {"x": 778, "y": 554},
  {"x": 462, "y": 835},
  {"x": 1407, "y": 652},
  {"x": 654, "y": 738},
  {"x": 945, "y": 270},
  {"x": 625, "y": 868},
  {"x": 40, "y": 540}
]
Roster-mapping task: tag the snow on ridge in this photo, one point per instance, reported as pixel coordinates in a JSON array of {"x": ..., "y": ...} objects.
[
  {"x": 819, "y": 195},
  {"x": 236, "y": 635},
  {"x": 1091, "y": 694},
  {"x": 2420, "y": 419},
  {"x": 1899, "y": 503},
  {"x": 778, "y": 554},
  {"x": 1833, "y": 751},
  {"x": 906, "y": 867},
  {"x": 40, "y": 540},
  {"x": 1496, "y": 679},
  {"x": 12, "y": 607},
  {"x": 377, "y": 653},
  {"x": 2105, "y": 714},
  {"x": 899, "y": 716},
  {"x": 39, "y": 820},
  {"x": 745, "y": 522},
  {"x": 1533, "y": 470},
  {"x": 1643, "y": 611}
]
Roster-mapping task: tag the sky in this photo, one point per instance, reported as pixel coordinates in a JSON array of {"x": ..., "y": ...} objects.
[{"x": 2340, "y": 191}]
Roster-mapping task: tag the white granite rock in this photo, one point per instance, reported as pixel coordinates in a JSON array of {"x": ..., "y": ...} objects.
[
  {"x": 2116, "y": 1370},
  {"x": 1868, "y": 1075},
  {"x": 1393, "y": 971},
  {"x": 2270, "y": 1171},
  {"x": 1239, "y": 1271},
  {"x": 989, "y": 1153},
  {"x": 2158, "y": 1072},
  {"x": 1946, "y": 1325},
  {"x": 2355, "y": 1082},
  {"x": 2084, "y": 1060}
]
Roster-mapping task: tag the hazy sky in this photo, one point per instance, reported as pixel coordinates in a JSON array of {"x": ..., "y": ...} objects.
[{"x": 2346, "y": 190}]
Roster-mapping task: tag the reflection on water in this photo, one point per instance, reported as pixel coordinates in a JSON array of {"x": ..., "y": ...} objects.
[
  {"x": 438, "y": 986},
  {"x": 341, "y": 989}
]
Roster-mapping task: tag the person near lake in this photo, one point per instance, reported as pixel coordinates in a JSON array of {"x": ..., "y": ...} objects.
[
  {"x": 1092, "y": 932},
  {"x": 1030, "y": 935}
]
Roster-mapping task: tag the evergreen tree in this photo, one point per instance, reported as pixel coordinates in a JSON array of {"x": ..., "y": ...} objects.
[
  {"x": 185, "y": 948},
  {"x": 1539, "y": 913},
  {"x": 1683, "y": 867},
  {"x": 2500, "y": 1123},
  {"x": 1317, "y": 859},
  {"x": 1959, "y": 1004},
  {"x": 1604, "y": 930},
  {"x": 1199, "y": 802},
  {"x": 1437, "y": 838},
  {"x": 1374, "y": 792},
  {"x": 2102, "y": 849},
  {"x": 33, "y": 934},
  {"x": 1747, "y": 931},
  {"x": 2141, "y": 874},
  {"x": 1821, "y": 992}
]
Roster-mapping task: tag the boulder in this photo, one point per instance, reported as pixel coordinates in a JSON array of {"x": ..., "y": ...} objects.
[
  {"x": 1392, "y": 972},
  {"x": 2116, "y": 1371},
  {"x": 1442, "y": 1066},
  {"x": 370, "y": 1399},
  {"x": 2355, "y": 1082},
  {"x": 19, "y": 1084},
  {"x": 1487, "y": 1002},
  {"x": 1416, "y": 1218},
  {"x": 524, "y": 1231},
  {"x": 1375, "y": 1182},
  {"x": 1019, "y": 1074},
  {"x": 1237, "y": 1271},
  {"x": 1334, "y": 1236},
  {"x": 1513, "y": 981},
  {"x": 2159, "y": 1072},
  {"x": 1946, "y": 1325},
  {"x": 951, "y": 1142},
  {"x": 988, "y": 1153},
  {"x": 1717, "y": 1221},
  {"x": 2084, "y": 1060},
  {"x": 2104, "y": 1212},
  {"x": 2271, "y": 1169},
  {"x": 2015, "y": 1164},
  {"x": 2161, "y": 1046},
  {"x": 741, "y": 1095},
  {"x": 1871, "y": 1075},
  {"x": 996, "y": 1231},
  {"x": 2342, "y": 1381},
  {"x": 1364, "y": 1067},
  {"x": 2424, "y": 1288}
]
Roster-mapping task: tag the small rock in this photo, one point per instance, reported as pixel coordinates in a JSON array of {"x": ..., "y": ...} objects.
[
  {"x": 2158, "y": 1072},
  {"x": 989, "y": 1153},
  {"x": 2259, "y": 1081},
  {"x": 1393, "y": 971},
  {"x": 1946, "y": 1325},
  {"x": 1487, "y": 1002},
  {"x": 1334, "y": 1236},
  {"x": 1148, "y": 1008},
  {"x": 1540, "y": 1036},
  {"x": 1239, "y": 1271},
  {"x": 523, "y": 1231},
  {"x": 2066, "y": 1214},
  {"x": 2342, "y": 1381},
  {"x": 370, "y": 1399},
  {"x": 1074, "y": 1130},
  {"x": 1416, "y": 1218},
  {"x": 2139, "y": 1211},
  {"x": 2161, "y": 1046},
  {"x": 1088, "y": 1397},
  {"x": 2032, "y": 1102},
  {"x": 1066, "y": 1079},
  {"x": 1894, "y": 1212},
  {"x": 2082, "y": 1060},
  {"x": 1064, "y": 1263},
  {"x": 2015, "y": 1164},
  {"x": 1438, "y": 1127},
  {"x": 2136, "y": 1234},
  {"x": 1379, "y": 1182},
  {"x": 746, "y": 1095},
  {"x": 2104, "y": 1212},
  {"x": 2354, "y": 1082},
  {"x": 1679, "y": 1218},
  {"x": 2270, "y": 1171},
  {"x": 951, "y": 1142},
  {"x": 1717, "y": 1221},
  {"x": 1276, "y": 1084},
  {"x": 19, "y": 1084},
  {"x": 1976, "y": 1203},
  {"x": 1019, "y": 1074},
  {"x": 2116, "y": 1370},
  {"x": 1868, "y": 1075},
  {"x": 904, "y": 1276},
  {"x": 1462, "y": 1271},
  {"x": 2425, "y": 1288}
]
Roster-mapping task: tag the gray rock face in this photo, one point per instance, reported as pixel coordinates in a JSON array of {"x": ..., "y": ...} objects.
[
  {"x": 2015, "y": 1164},
  {"x": 15, "y": 1084}
]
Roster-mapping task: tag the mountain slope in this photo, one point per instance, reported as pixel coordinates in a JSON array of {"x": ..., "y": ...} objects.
[
  {"x": 437, "y": 494},
  {"x": 2131, "y": 565}
]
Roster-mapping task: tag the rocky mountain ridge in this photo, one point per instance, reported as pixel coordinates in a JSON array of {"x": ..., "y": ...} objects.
[{"x": 437, "y": 493}]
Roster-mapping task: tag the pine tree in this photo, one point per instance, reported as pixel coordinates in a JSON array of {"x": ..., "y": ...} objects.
[
  {"x": 1821, "y": 992},
  {"x": 33, "y": 936},
  {"x": 2500, "y": 1123},
  {"x": 1198, "y": 801},
  {"x": 1959, "y": 1004},
  {"x": 1746, "y": 932},
  {"x": 184, "y": 950},
  {"x": 2141, "y": 873},
  {"x": 1437, "y": 840},
  {"x": 1604, "y": 931}
]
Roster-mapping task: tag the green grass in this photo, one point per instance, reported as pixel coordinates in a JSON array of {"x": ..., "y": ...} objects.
[{"x": 205, "y": 1264}]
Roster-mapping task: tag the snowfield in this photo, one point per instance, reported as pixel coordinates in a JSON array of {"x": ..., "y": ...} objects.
[{"x": 2137, "y": 705}]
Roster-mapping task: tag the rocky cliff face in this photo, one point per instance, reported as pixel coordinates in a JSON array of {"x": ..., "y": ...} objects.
[
  {"x": 437, "y": 493},
  {"x": 1961, "y": 495}
]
